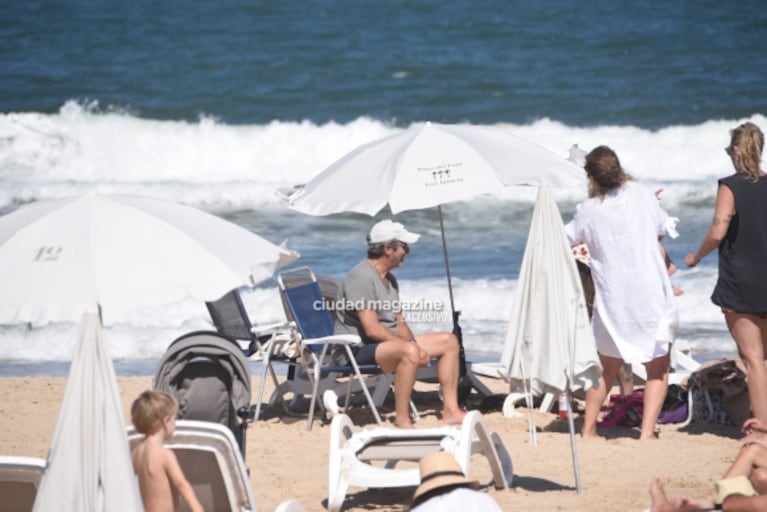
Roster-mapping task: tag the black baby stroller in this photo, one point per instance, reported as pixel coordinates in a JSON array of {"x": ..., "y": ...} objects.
[{"x": 210, "y": 377}]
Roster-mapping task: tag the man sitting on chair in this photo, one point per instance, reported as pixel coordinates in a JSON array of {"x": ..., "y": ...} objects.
[{"x": 368, "y": 305}]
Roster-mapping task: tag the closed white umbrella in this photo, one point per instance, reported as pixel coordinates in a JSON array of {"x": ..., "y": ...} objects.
[
  {"x": 549, "y": 335},
  {"x": 89, "y": 466},
  {"x": 549, "y": 342},
  {"x": 65, "y": 257}
]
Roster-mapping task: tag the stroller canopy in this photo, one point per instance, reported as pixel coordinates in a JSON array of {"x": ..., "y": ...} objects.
[{"x": 197, "y": 358}]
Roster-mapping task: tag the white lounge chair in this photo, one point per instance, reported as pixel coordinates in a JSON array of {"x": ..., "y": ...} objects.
[
  {"x": 352, "y": 453},
  {"x": 19, "y": 481},
  {"x": 211, "y": 460}
]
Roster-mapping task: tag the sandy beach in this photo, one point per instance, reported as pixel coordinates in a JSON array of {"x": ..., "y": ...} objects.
[{"x": 286, "y": 461}]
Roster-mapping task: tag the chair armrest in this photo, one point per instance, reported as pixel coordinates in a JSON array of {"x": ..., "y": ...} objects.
[
  {"x": 262, "y": 329},
  {"x": 337, "y": 339}
]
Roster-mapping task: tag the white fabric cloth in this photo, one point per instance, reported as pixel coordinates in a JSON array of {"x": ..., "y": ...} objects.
[
  {"x": 463, "y": 499},
  {"x": 635, "y": 316}
]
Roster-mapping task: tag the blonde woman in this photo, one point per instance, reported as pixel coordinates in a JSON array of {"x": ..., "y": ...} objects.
[{"x": 739, "y": 231}]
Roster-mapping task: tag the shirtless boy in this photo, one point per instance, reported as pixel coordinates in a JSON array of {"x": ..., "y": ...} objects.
[{"x": 160, "y": 477}]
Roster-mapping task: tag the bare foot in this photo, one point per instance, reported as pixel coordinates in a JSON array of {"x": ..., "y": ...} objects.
[
  {"x": 453, "y": 417},
  {"x": 404, "y": 424},
  {"x": 663, "y": 503},
  {"x": 687, "y": 504},
  {"x": 590, "y": 435},
  {"x": 660, "y": 502}
]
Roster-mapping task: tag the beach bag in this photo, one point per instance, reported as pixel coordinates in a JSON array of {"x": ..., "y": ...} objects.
[
  {"x": 624, "y": 410},
  {"x": 720, "y": 393},
  {"x": 675, "y": 407}
]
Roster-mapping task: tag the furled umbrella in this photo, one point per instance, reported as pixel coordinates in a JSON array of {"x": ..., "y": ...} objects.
[
  {"x": 549, "y": 341},
  {"x": 65, "y": 260}
]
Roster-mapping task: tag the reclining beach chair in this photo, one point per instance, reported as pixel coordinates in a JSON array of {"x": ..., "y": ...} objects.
[
  {"x": 231, "y": 319},
  {"x": 210, "y": 377},
  {"x": 352, "y": 454},
  {"x": 267, "y": 341},
  {"x": 19, "y": 481},
  {"x": 301, "y": 293},
  {"x": 210, "y": 459}
]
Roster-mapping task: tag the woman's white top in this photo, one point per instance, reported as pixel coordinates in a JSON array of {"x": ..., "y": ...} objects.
[{"x": 635, "y": 316}]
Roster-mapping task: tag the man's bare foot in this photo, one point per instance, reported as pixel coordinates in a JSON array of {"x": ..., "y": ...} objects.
[{"x": 453, "y": 417}]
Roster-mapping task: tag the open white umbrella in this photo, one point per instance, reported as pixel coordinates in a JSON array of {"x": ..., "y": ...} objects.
[
  {"x": 60, "y": 257},
  {"x": 429, "y": 165},
  {"x": 65, "y": 257},
  {"x": 549, "y": 343}
]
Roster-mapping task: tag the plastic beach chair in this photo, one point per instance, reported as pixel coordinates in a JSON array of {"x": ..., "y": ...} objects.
[
  {"x": 209, "y": 457},
  {"x": 19, "y": 481},
  {"x": 355, "y": 456}
]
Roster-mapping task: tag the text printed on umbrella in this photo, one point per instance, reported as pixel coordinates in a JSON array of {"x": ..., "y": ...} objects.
[
  {"x": 48, "y": 254},
  {"x": 442, "y": 174}
]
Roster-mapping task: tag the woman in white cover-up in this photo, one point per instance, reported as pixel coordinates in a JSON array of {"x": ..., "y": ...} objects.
[{"x": 635, "y": 316}]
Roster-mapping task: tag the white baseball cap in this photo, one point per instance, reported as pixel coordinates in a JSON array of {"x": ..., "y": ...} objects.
[{"x": 386, "y": 230}]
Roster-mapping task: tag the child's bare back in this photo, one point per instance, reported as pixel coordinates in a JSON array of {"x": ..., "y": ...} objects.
[
  {"x": 153, "y": 464},
  {"x": 160, "y": 477}
]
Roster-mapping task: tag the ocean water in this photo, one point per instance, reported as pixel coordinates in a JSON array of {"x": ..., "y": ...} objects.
[{"x": 219, "y": 104}]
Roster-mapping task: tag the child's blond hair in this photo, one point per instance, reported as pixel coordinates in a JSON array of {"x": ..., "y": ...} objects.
[{"x": 150, "y": 409}]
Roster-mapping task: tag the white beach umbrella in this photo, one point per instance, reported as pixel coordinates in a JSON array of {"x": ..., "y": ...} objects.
[
  {"x": 549, "y": 342},
  {"x": 61, "y": 257},
  {"x": 428, "y": 165},
  {"x": 65, "y": 257}
]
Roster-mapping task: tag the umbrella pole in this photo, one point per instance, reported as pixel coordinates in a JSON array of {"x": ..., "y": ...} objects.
[
  {"x": 447, "y": 266},
  {"x": 456, "y": 314},
  {"x": 573, "y": 446}
]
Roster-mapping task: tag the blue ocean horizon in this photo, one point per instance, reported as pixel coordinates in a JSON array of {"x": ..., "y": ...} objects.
[{"x": 218, "y": 105}]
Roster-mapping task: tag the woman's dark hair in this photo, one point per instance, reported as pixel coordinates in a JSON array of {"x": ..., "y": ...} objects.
[{"x": 603, "y": 166}]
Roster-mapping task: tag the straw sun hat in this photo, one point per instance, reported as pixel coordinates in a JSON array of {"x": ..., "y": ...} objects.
[{"x": 440, "y": 469}]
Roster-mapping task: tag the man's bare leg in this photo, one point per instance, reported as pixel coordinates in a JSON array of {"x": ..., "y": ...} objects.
[
  {"x": 444, "y": 346},
  {"x": 400, "y": 358}
]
